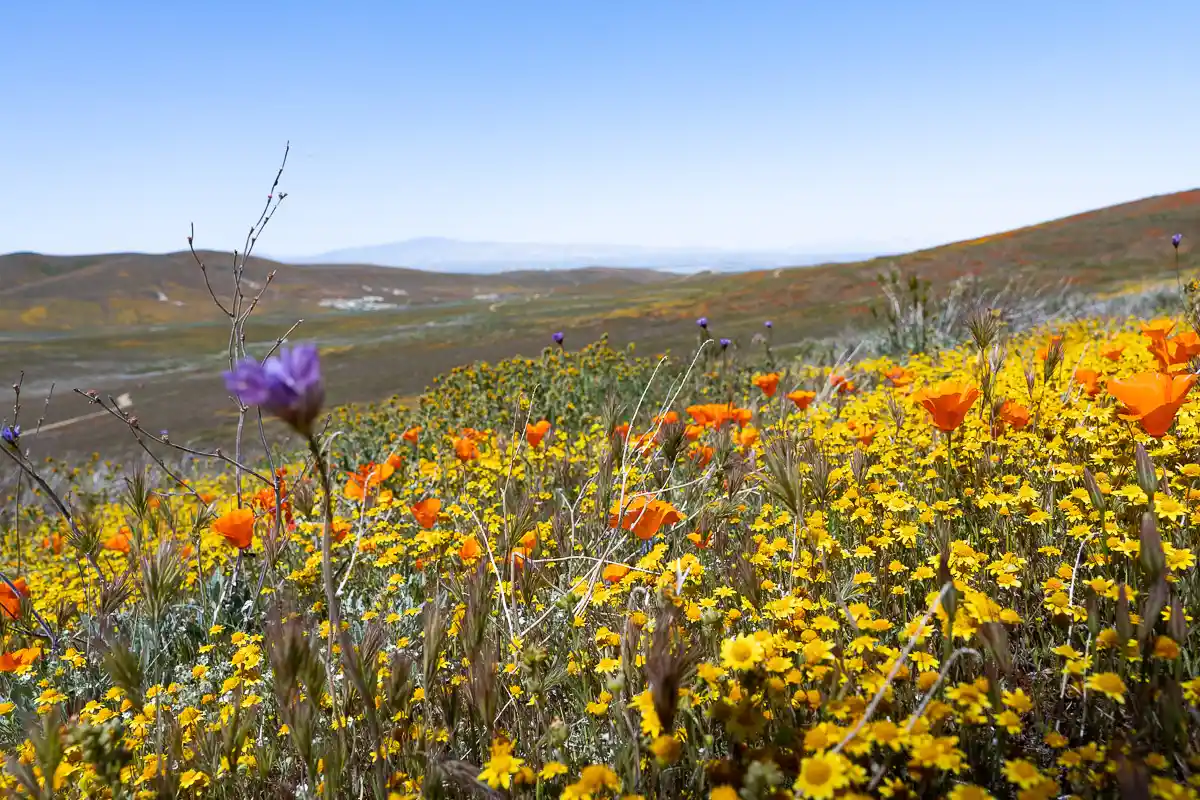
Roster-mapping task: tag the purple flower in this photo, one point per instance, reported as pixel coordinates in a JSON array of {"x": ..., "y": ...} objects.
[
  {"x": 767, "y": 324},
  {"x": 1176, "y": 239},
  {"x": 703, "y": 322},
  {"x": 558, "y": 338},
  {"x": 11, "y": 434},
  {"x": 288, "y": 385},
  {"x": 725, "y": 343}
]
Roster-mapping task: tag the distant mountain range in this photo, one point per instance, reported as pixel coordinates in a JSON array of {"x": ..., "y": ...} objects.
[{"x": 456, "y": 256}]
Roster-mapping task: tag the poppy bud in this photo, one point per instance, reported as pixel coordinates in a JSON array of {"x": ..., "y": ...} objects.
[
  {"x": 1177, "y": 625},
  {"x": 1124, "y": 624},
  {"x": 1145, "y": 470},
  {"x": 1093, "y": 490},
  {"x": 1154, "y": 560}
]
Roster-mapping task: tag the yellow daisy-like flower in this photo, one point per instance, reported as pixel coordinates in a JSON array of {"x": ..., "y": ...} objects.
[
  {"x": 741, "y": 652},
  {"x": 822, "y": 775},
  {"x": 499, "y": 769},
  {"x": 1108, "y": 684},
  {"x": 1023, "y": 773},
  {"x": 725, "y": 792}
]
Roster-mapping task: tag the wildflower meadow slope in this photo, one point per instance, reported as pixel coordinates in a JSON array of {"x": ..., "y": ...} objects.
[{"x": 593, "y": 574}]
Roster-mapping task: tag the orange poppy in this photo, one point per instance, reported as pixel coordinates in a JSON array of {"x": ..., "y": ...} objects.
[
  {"x": 621, "y": 431},
  {"x": 702, "y": 542},
  {"x": 339, "y": 531},
  {"x": 898, "y": 376},
  {"x": 237, "y": 527},
  {"x": 529, "y": 541},
  {"x": 801, "y": 398},
  {"x": 692, "y": 432},
  {"x": 11, "y": 662},
  {"x": 412, "y": 435},
  {"x": 746, "y": 437},
  {"x": 466, "y": 449},
  {"x": 1044, "y": 352},
  {"x": 53, "y": 542},
  {"x": 842, "y": 384},
  {"x": 865, "y": 434},
  {"x": 426, "y": 511},
  {"x": 668, "y": 418},
  {"x": 614, "y": 572},
  {"x": 395, "y": 461},
  {"x": 645, "y": 516},
  {"x": 947, "y": 403},
  {"x": 369, "y": 476},
  {"x": 701, "y": 454},
  {"x": 1014, "y": 414},
  {"x": 1113, "y": 352},
  {"x": 470, "y": 550},
  {"x": 119, "y": 542},
  {"x": 1158, "y": 329},
  {"x": 1152, "y": 398},
  {"x": 534, "y": 433},
  {"x": 1089, "y": 379},
  {"x": 714, "y": 415},
  {"x": 10, "y": 601},
  {"x": 768, "y": 383}
]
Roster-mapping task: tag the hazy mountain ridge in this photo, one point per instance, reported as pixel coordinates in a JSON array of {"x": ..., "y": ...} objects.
[{"x": 458, "y": 256}]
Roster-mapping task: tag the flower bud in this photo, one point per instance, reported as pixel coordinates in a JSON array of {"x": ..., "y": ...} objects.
[
  {"x": 1153, "y": 559},
  {"x": 1093, "y": 490},
  {"x": 1145, "y": 470}
]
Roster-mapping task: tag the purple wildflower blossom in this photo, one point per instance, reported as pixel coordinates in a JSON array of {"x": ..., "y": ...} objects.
[
  {"x": 703, "y": 322},
  {"x": 725, "y": 343},
  {"x": 289, "y": 385},
  {"x": 558, "y": 337},
  {"x": 1176, "y": 239},
  {"x": 11, "y": 434},
  {"x": 767, "y": 324}
]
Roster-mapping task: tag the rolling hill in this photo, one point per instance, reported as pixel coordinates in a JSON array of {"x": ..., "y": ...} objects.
[{"x": 61, "y": 293}]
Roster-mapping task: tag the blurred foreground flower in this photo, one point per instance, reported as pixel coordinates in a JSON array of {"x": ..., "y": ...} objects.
[{"x": 288, "y": 385}]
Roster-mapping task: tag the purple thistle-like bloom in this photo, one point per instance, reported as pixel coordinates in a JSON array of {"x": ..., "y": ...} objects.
[
  {"x": 725, "y": 343},
  {"x": 1176, "y": 239},
  {"x": 768, "y": 324},
  {"x": 289, "y": 385},
  {"x": 11, "y": 434},
  {"x": 703, "y": 322},
  {"x": 558, "y": 338}
]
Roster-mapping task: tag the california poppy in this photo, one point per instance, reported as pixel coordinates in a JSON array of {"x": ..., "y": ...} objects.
[
  {"x": 367, "y": 477},
  {"x": 237, "y": 527},
  {"x": 535, "y": 432},
  {"x": 1152, "y": 398},
  {"x": 469, "y": 551},
  {"x": 426, "y": 512},
  {"x": 53, "y": 542},
  {"x": 701, "y": 454},
  {"x": 702, "y": 542},
  {"x": 412, "y": 435},
  {"x": 768, "y": 383},
  {"x": 118, "y": 542},
  {"x": 842, "y": 384},
  {"x": 714, "y": 415},
  {"x": 746, "y": 437},
  {"x": 621, "y": 431},
  {"x": 665, "y": 419},
  {"x": 1014, "y": 414},
  {"x": 898, "y": 376},
  {"x": 10, "y": 601},
  {"x": 1113, "y": 352},
  {"x": 801, "y": 398},
  {"x": 11, "y": 662},
  {"x": 645, "y": 516},
  {"x": 692, "y": 432},
  {"x": 947, "y": 403},
  {"x": 614, "y": 573},
  {"x": 465, "y": 449},
  {"x": 1089, "y": 379},
  {"x": 866, "y": 434}
]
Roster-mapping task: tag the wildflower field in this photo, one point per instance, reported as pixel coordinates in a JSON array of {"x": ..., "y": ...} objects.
[{"x": 967, "y": 572}]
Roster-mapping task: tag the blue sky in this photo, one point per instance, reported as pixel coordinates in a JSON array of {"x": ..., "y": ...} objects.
[{"x": 831, "y": 126}]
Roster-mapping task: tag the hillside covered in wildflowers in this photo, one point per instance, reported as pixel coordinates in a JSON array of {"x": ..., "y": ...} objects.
[{"x": 965, "y": 571}]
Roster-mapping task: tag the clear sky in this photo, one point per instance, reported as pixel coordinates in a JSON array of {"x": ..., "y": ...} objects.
[{"x": 827, "y": 126}]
